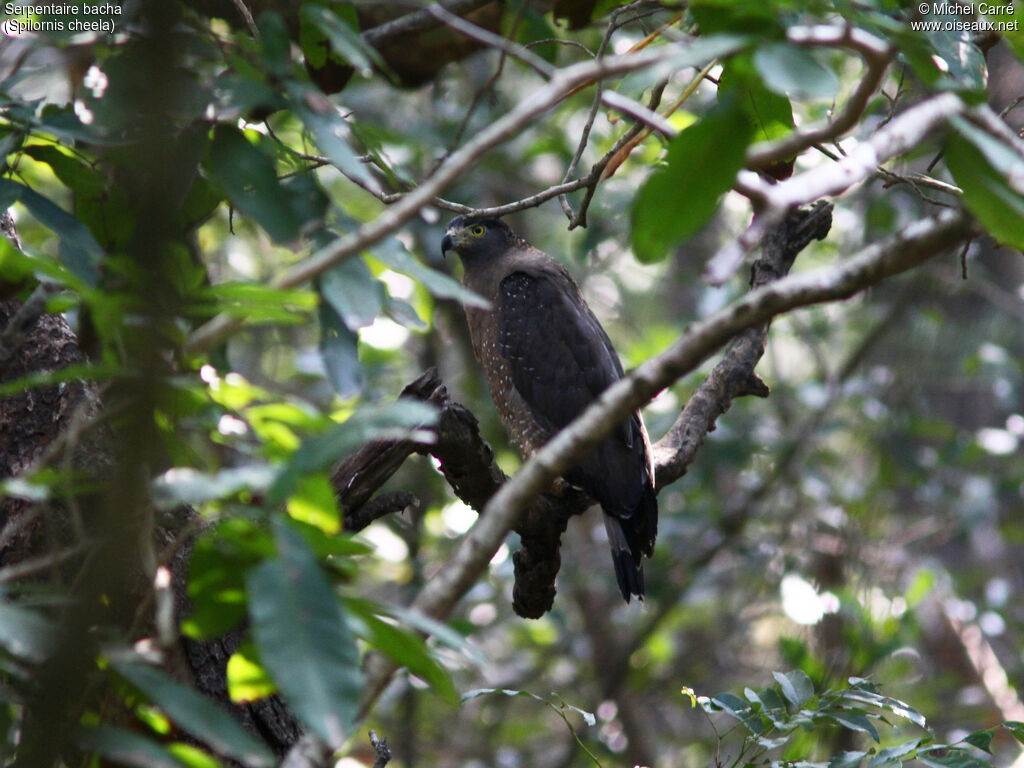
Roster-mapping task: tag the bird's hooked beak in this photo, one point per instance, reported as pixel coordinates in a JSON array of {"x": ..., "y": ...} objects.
[{"x": 447, "y": 243}]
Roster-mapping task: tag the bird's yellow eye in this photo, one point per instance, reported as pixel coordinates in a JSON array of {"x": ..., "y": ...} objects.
[{"x": 478, "y": 230}]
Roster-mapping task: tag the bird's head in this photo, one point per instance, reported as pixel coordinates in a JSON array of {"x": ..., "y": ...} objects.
[{"x": 471, "y": 236}]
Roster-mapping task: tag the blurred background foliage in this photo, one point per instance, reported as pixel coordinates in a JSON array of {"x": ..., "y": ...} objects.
[{"x": 862, "y": 522}]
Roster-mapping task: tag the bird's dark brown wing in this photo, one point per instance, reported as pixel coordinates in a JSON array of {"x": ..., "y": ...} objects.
[{"x": 561, "y": 360}]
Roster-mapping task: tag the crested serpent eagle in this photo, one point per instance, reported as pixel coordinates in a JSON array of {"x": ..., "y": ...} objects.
[{"x": 546, "y": 358}]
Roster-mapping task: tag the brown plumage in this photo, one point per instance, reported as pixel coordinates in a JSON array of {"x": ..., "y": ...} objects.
[{"x": 546, "y": 359}]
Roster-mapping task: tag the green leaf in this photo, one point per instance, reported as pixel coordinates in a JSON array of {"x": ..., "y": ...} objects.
[
  {"x": 403, "y": 313},
  {"x": 904, "y": 710},
  {"x": 248, "y": 178},
  {"x": 393, "y": 254},
  {"x": 963, "y": 63},
  {"x": 796, "y": 686},
  {"x": 436, "y": 629},
  {"x": 528, "y": 24},
  {"x": 351, "y": 289},
  {"x": 220, "y": 559},
  {"x": 998, "y": 154},
  {"x": 770, "y": 114},
  {"x": 73, "y": 172},
  {"x": 1016, "y": 729},
  {"x": 739, "y": 709},
  {"x": 315, "y": 504},
  {"x": 25, "y": 633},
  {"x": 981, "y": 739},
  {"x": 588, "y": 717},
  {"x": 847, "y": 759},
  {"x": 766, "y": 743},
  {"x": 407, "y": 649},
  {"x": 738, "y": 16},
  {"x": 303, "y": 639},
  {"x": 196, "y": 714},
  {"x": 184, "y": 485},
  {"x": 62, "y": 123},
  {"x": 702, "y": 50},
  {"x": 241, "y": 95},
  {"x": 677, "y": 200},
  {"x": 345, "y": 41},
  {"x": 792, "y": 71},
  {"x": 893, "y": 755},
  {"x": 192, "y": 756},
  {"x": 119, "y": 745},
  {"x": 324, "y": 120},
  {"x": 987, "y": 195},
  {"x": 339, "y": 350},
  {"x": 16, "y": 269},
  {"x": 259, "y": 303},
  {"x": 79, "y": 250},
  {"x": 276, "y": 42},
  {"x": 389, "y": 421},
  {"x": 247, "y": 680},
  {"x": 950, "y": 757},
  {"x": 9, "y": 143},
  {"x": 334, "y": 547},
  {"x": 865, "y": 692},
  {"x": 74, "y": 372},
  {"x": 854, "y": 721}
]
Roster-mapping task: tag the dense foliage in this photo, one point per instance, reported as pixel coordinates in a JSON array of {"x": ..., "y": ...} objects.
[{"x": 239, "y": 215}]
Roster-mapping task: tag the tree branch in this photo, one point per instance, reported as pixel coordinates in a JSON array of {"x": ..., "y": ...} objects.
[
  {"x": 420, "y": 20},
  {"x": 564, "y": 80},
  {"x": 902, "y": 134},
  {"x": 897, "y": 254},
  {"x": 876, "y": 54},
  {"x": 734, "y": 375}
]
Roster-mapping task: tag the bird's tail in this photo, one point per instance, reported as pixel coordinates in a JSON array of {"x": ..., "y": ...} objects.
[
  {"x": 641, "y": 527},
  {"x": 628, "y": 573}
]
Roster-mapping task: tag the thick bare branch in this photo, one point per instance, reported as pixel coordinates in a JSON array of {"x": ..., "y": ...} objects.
[{"x": 902, "y": 252}]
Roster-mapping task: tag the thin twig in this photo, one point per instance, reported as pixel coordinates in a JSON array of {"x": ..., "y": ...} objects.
[
  {"x": 612, "y": 99},
  {"x": 418, "y": 21},
  {"x": 599, "y": 171},
  {"x": 247, "y": 17},
  {"x": 876, "y": 54},
  {"x": 217, "y": 329},
  {"x": 491, "y": 40},
  {"x": 43, "y": 563},
  {"x": 595, "y": 107},
  {"x": 1011, "y": 106},
  {"x": 479, "y": 95},
  {"x": 624, "y": 152}
]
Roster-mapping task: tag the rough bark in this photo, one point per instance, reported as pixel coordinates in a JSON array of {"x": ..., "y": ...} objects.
[{"x": 62, "y": 424}]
